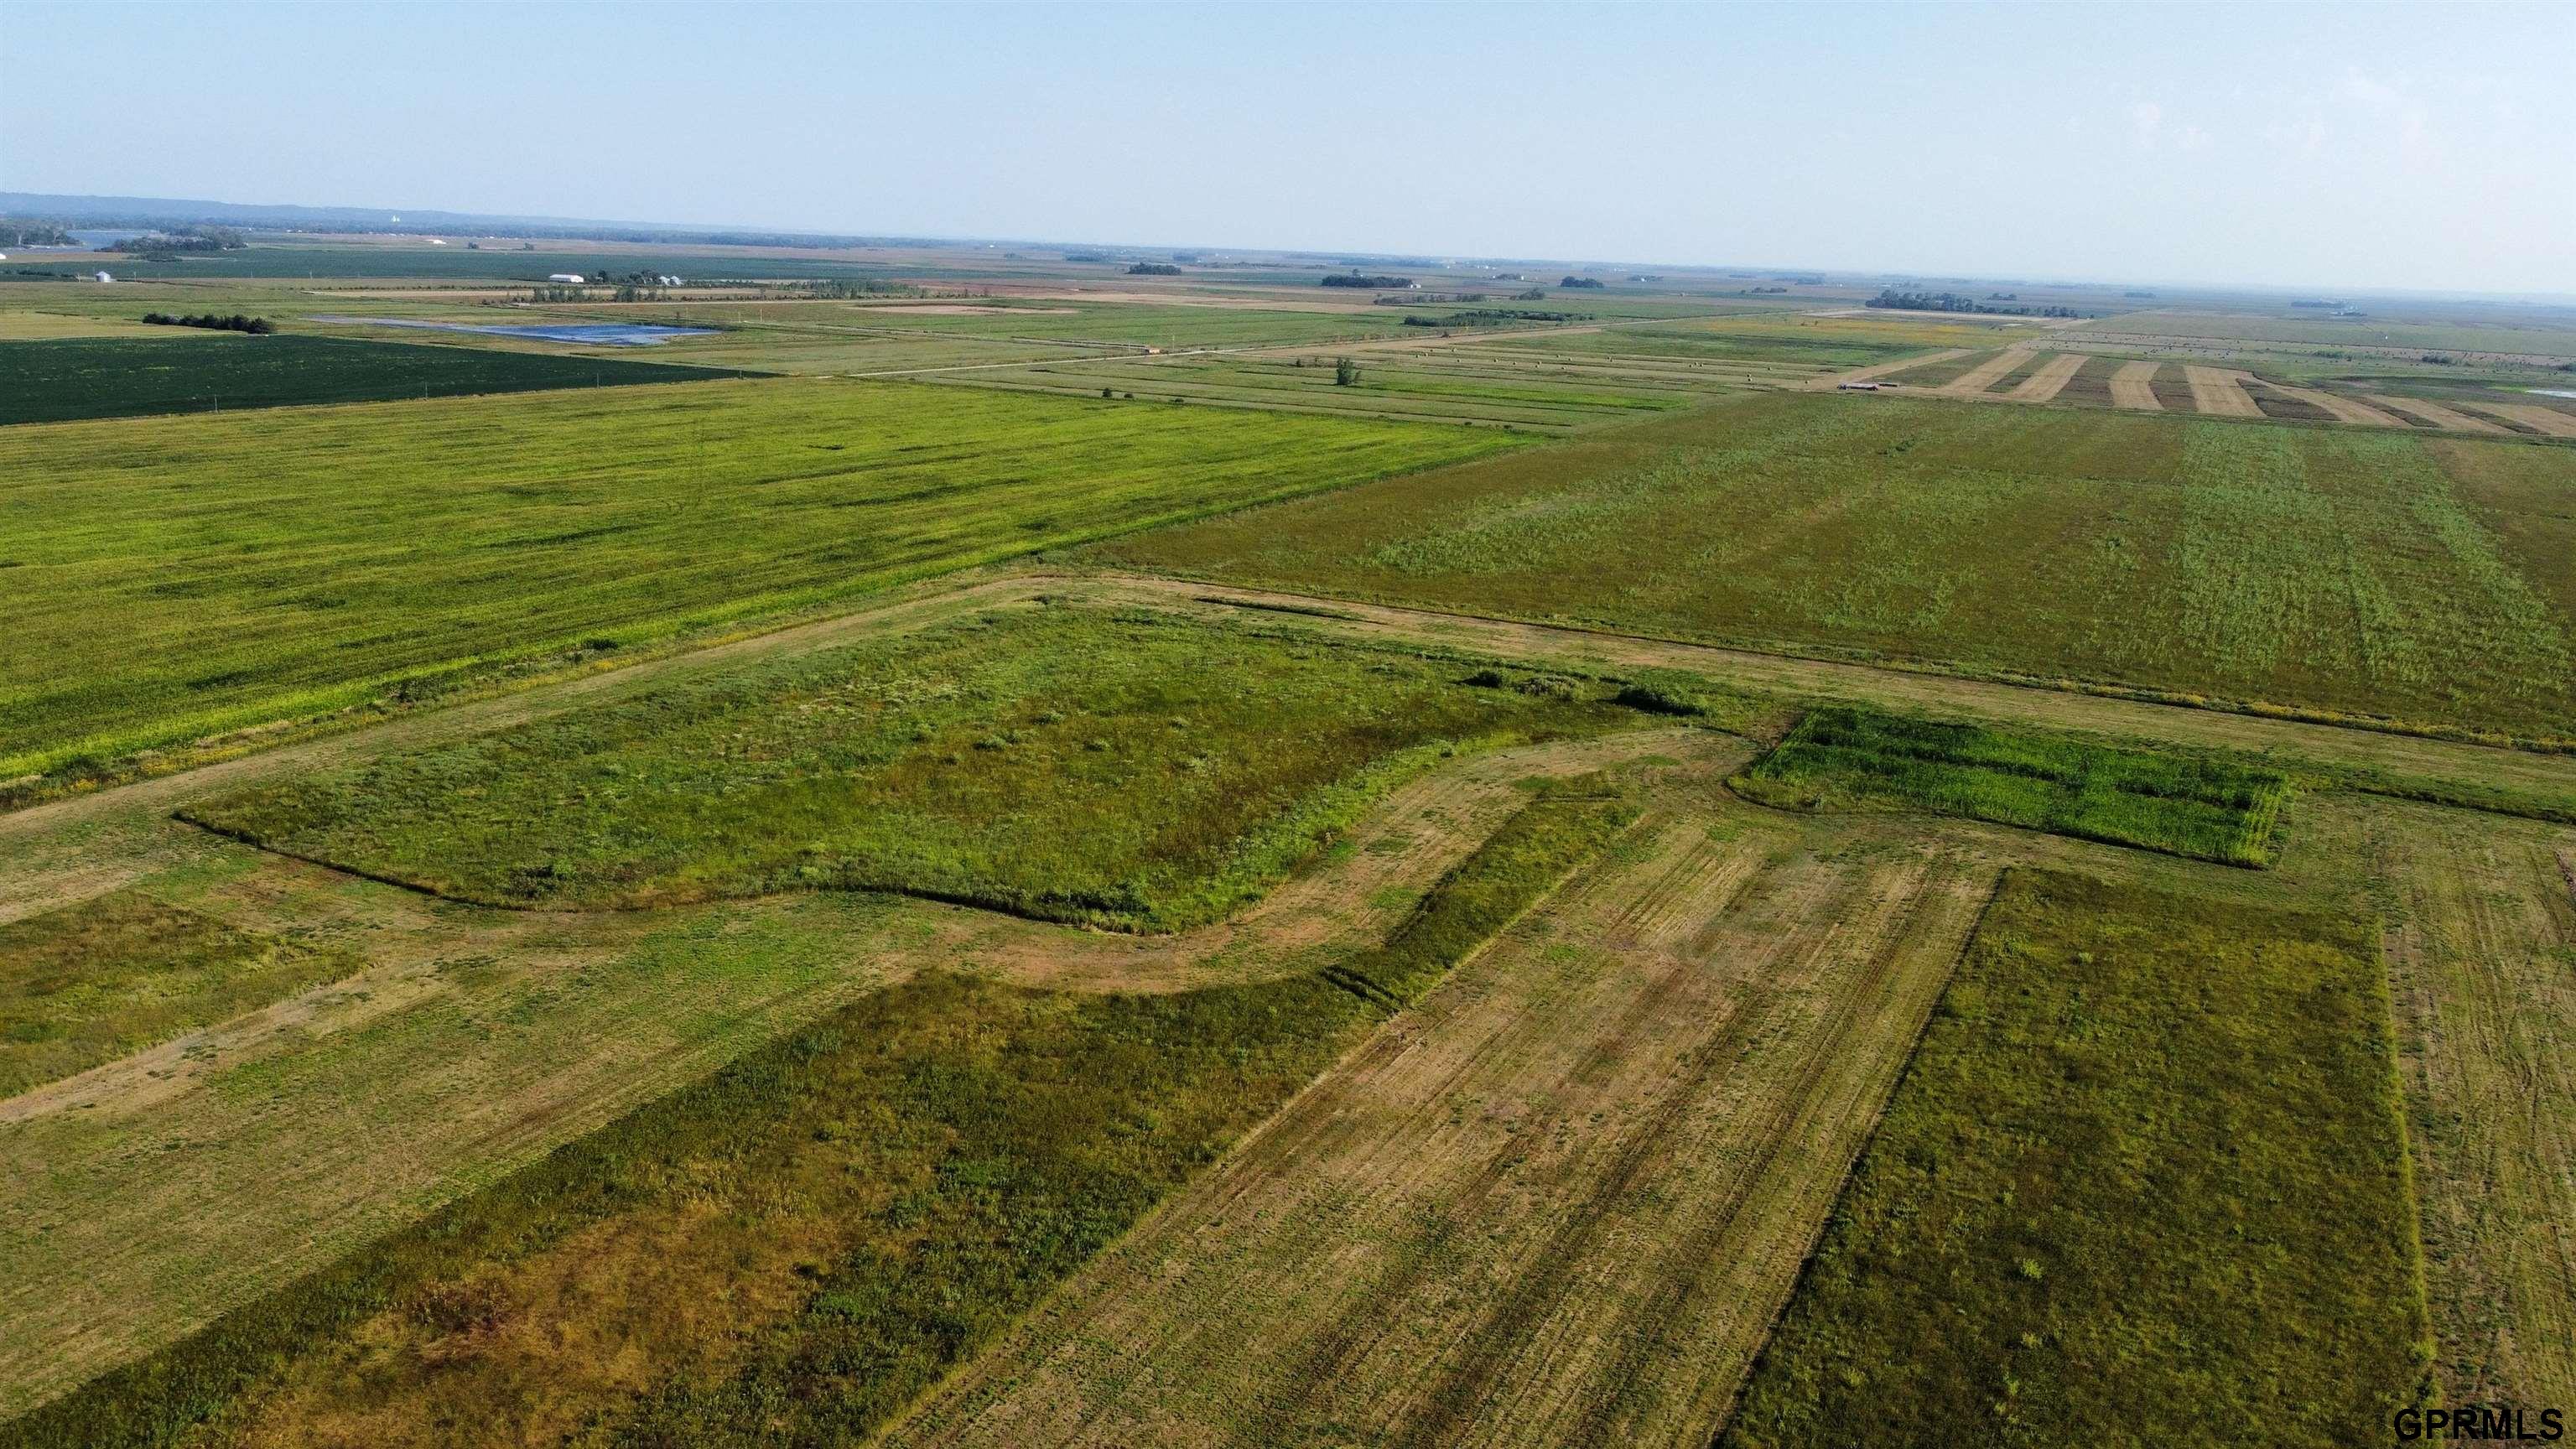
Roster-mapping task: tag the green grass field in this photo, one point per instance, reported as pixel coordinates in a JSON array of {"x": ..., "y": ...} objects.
[
  {"x": 2341, "y": 572},
  {"x": 181, "y": 577},
  {"x": 2145, "y": 1177},
  {"x": 790, "y": 1251},
  {"x": 91, "y": 982},
  {"x": 48, "y": 382},
  {"x": 1844, "y": 757},
  {"x": 1133, "y": 771}
]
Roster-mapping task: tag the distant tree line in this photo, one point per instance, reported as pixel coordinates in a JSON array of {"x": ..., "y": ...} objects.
[
  {"x": 1153, "y": 269},
  {"x": 34, "y": 234},
  {"x": 184, "y": 239},
  {"x": 1953, "y": 302},
  {"x": 1594, "y": 282},
  {"x": 1534, "y": 294},
  {"x": 1365, "y": 280},
  {"x": 1481, "y": 316},
  {"x": 256, "y": 326}
]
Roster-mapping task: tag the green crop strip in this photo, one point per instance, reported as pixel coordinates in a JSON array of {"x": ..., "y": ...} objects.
[
  {"x": 1843, "y": 757},
  {"x": 2144, "y": 1183}
]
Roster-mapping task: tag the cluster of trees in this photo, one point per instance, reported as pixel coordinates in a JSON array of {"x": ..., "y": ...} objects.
[
  {"x": 1346, "y": 373},
  {"x": 256, "y": 326},
  {"x": 1365, "y": 280},
  {"x": 33, "y": 234},
  {"x": 1481, "y": 316},
  {"x": 1953, "y": 302},
  {"x": 1534, "y": 294},
  {"x": 849, "y": 289},
  {"x": 1583, "y": 282},
  {"x": 184, "y": 239},
  {"x": 1153, "y": 269}
]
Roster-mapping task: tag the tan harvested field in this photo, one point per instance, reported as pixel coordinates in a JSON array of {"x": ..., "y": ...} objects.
[
  {"x": 2344, "y": 409},
  {"x": 2548, "y": 422},
  {"x": 2482, "y": 958},
  {"x": 1985, "y": 374},
  {"x": 2219, "y": 391},
  {"x": 2050, "y": 379},
  {"x": 2133, "y": 386},
  {"x": 2435, "y": 414},
  {"x": 1559, "y": 1203},
  {"x": 1883, "y": 369}
]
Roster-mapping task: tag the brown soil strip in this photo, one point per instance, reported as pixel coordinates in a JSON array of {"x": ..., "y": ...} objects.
[
  {"x": 2435, "y": 414},
  {"x": 2547, "y": 422},
  {"x": 2341, "y": 409},
  {"x": 2050, "y": 378},
  {"x": 2276, "y": 403},
  {"x": 1559, "y": 1203},
  {"x": 1883, "y": 369},
  {"x": 2133, "y": 387},
  {"x": 2219, "y": 391},
  {"x": 1985, "y": 374}
]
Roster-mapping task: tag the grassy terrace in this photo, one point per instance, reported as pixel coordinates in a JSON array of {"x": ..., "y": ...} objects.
[
  {"x": 44, "y": 382},
  {"x": 2146, "y": 1175},
  {"x": 180, "y": 577},
  {"x": 792, "y": 1250},
  {"x": 1842, "y": 757},
  {"x": 2341, "y": 572},
  {"x": 1127, "y": 771}
]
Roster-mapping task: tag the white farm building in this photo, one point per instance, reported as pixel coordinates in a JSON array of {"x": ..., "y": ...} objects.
[{"x": 572, "y": 279}]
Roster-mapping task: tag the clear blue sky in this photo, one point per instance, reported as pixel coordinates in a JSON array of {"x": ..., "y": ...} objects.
[{"x": 2427, "y": 146}]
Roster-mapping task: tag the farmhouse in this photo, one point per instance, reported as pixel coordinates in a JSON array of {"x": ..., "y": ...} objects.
[{"x": 104, "y": 277}]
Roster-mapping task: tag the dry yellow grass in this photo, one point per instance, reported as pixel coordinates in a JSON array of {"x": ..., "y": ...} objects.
[
  {"x": 2343, "y": 409},
  {"x": 2133, "y": 386},
  {"x": 2436, "y": 414},
  {"x": 1557, "y": 1204},
  {"x": 2219, "y": 391},
  {"x": 2050, "y": 378},
  {"x": 1882, "y": 369},
  {"x": 2548, "y": 422},
  {"x": 1985, "y": 374}
]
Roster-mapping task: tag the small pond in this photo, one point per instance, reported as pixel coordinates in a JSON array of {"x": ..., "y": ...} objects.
[{"x": 586, "y": 334}]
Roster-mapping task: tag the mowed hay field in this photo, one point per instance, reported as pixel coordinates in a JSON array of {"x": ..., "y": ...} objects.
[
  {"x": 1561, "y": 1204},
  {"x": 174, "y": 578},
  {"x": 2146, "y": 1175},
  {"x": 2481, "y": 950},
  {"x": 2344, "y": 572},
  {"x": 791, "y": 1250}
]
